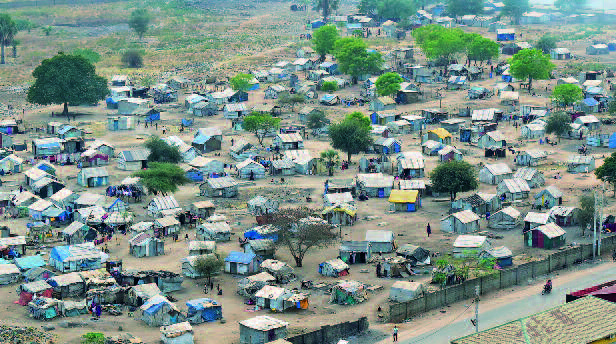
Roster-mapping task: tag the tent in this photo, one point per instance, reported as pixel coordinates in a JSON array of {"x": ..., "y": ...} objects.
[
  {"x": 282, "y": 272},
  {"x": 9, "y": 273},
  {"x": 415, "y": 254},
  {"x": 248, "y": 286},
  {"x": 159, "y": 311},
  {"x": 203, "y": 310},
  {"x": 180, "y": 333},
  {"x": 402, "y": 291},
  {"x": 28, "y": 290},
  {"x": 348, "y": 293},
  {"x": 334, "y": 268},
  {"x": 29, "y": 262}
]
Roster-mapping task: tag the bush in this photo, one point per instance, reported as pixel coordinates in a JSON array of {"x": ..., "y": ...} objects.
[
  {"x": 329, "y": 86},
  {"x": 93, "y": 338},
  {"x": 89, "y": 54},
  {"x": 132, "y": 59}
]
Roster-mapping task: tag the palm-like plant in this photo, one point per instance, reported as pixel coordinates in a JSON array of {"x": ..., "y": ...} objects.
[
  {"x": 8, "y": 29},
  {"x": 331, "y": 158}
]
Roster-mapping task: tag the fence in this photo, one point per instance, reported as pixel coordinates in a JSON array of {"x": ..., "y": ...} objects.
[
  {"x": 521, "y": 274},
  {"x": 331, "y": 333}
]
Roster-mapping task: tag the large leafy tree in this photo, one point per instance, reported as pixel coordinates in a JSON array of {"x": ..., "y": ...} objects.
[
  {"x": 482, "y": 49},
  {"x": 607, "y": 171},
  {"x": 586, "y": 215},
  {"x": 287, "y": 98},
  {"x": 326, "y": 6},
  {"x": 162, "y": 177},
  {"x": 531, "y": 64},
  {"x": 558, "y": 123},
  {"x": 299, "y": 232},
  {"x": 8, "y": 30},
  {"x": 65, "y": 79},
  {"x": 454, "y": 177},
  {"x": 317, "y": 120},
  {"x": 241, "y": 82},
  {"x": 161, "y": 151},
  {"x": 462, "y": 7},
  {"x": 359, "y": 118},
  {"x": 353, "y": 57},
  {"x": 546, "y": 43},
  {"x": 324, "y": 39},
  {"x": 208, "y": 265},
  {"x": 395, "y": 9},
  {"x": 350, "y": 136},
  {"x": 261, "y": 125},
  {"x": 567, "y": 94},
  {"x": 368, "y": 7},
  {"x": 388, "y": 84},
  {"x": 140, "y": 21},
  {"x": 439, "y": 42},
  {"x": 514, "y": 9}
]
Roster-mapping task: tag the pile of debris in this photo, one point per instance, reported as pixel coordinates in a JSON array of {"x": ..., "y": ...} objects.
[
  {"x": 24, "y": 335},
  {"x": 124, "y": 338}
]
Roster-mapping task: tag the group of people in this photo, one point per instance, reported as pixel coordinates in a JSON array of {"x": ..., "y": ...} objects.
[{"x": 210, "y": 285}]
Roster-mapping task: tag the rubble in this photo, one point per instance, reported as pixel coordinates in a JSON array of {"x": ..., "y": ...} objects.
[{"x": 28, "y": 335}]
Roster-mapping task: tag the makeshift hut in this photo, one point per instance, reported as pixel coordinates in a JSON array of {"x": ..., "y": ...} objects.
[
  {"x": 580, "y": 164},
  {"x": 597, "y": 49},
  {"x": 250, "y": 169},
  {"x": 439, "y": 135},
  {"x": 382, "y": 241},
  {"x": 225, "y": 187},
  {"x": 14, "y": 245},
  {"x": 340, "y": 214},
  {"x": 501, "y": 254},
  {"x": 338, "y": 198},
  {"x": 403, "y": 291},
  {"x": 549, "y": 236},
  {"x": 188, "y": 265},
  {"x": 404, "y": 200},
  {"x": 260, "y": 206},
  {"x": 375, "y": 184},
  {"x": 513, "y": 189},
  {"x": 76, "y": 257},
  {"x": 494, "y": 173},
  {"x": 348, "y": 293},
  {"x": 282, "y": 167},
  {"x": 411, "y": 166},
  {"x": 262, "y": 329},
  {"x": 449, "y": 153},
  {"x": 506, "y": 218},
  {"x": 240, "y": 263},
  {"x": 549, "y": 197},
  {"x": 355, "y": 252},
  {"x": 180, "y": 333},
  {"x": 492, "y": 139},
  {"x": 334, "y": 268},
  {"x": 564, "y": 216},
  {"x": 9, "y": 273},
  {"x": 470, "y": 246},
  {"x": 159, "y": 311},
  {"x": 28, "y": 290},
  {"x": 533, "y": 220},
  {"x": 78, "y": 233},
  {"x": 290, "y": 141},
  {"x": 464, "y": 221},
  {"x": 43, "y": 308},
  {"x": 479, "y": 203},
  {"x": 139, "y": 294},
  {"x": 414, "y": 255},
  {"x": 166, "y": 226},
  {"x": 203, "y": 310},
  {"x": 202, "y": 209},
  {"x": 282, "y": 272},
  {"x": 67, "y": 285},
  {"x": 133, "y": 160},
  {"x": 560, "y": 54},
  {"x": 160, "y": 204},
  {"x": 216, "y": 231},
  {"x": 250, "y": 285},
  {"x": 37, "y": 274},
  {"x": 12, "y": 163},
  {"x": 263, "y": 248},
  {"x": 279, "y": 299},
  {"x": 145, "y": 245},
  {"x": 201, "y": 247}
]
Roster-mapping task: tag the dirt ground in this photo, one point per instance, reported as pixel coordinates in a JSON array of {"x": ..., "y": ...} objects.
[{"x": 409, "y": 227}]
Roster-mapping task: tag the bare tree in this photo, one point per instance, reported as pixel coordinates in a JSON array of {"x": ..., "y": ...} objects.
[{"x": 300, "y": 232}]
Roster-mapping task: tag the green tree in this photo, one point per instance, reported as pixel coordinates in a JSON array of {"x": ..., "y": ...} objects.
[
  {"x": 331, "y": 159},
  {"x": 461, "y": 7},
  {"x": 395, "y": 9},
  {"x": 531, "y": 64},
  {"x": 514, "y": 9},
  {"x": 132, "y": 58},
  {"x": 350, "y": 136},
  {"x": 558, "y": 123},
  {"x": 482, "y": 49},
  {"x": 327, "y": 6},
  {"x": 261, "y": 125},
  {"x": 360, "y": 118},
  {"x": 93, "y": 338},
  {"x": 607, "y": 171},
  {"x": 8, "y": 30},
  {"x": 454, "y": 177},
  {"x": 353, "y": 57},
  {"x": 14, "y": 44},
  {"x": 161, "y": 151},
  {"x": 546, "y": 43},
  {"x": 585, "y": 216},
  {"x": 291, "y": 99},
  {"x": 329, "y": 86},
  {"x": 300, "y": 232},
  {"x": 140, "y": 21},
  {"x": 368, "y": 7},
  {"x": 89, "y": 54},
  {"x": 24, "y": 24},
  {"x": 570, "y": 6},
  {"x": 65, "y": 79},
  {"x": 567, "y": 94},
  {"x": 208, "y": 266},
  {"x": 162, "y": 177},
  {"x": 611, "y": 107},
  {"x": 317, "y": 120},
  {"x": 388, "y": 84},
  {"x": 324, "y": 39},
  {"x": 438, "y": 42},
  {"x": 241, "y": 82},
  {"x": 47, "y": 30}
]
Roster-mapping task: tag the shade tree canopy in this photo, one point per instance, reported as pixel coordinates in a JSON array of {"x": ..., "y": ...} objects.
[
  {"x": 388, "y": 84},
  {"x": 162, "y": 177},
  {"x": 354, "y": 59},
  {"x": 350, "y": 136},
  {"x": 324, "y": 38},
  {"x": 261, "y": 125},
  {"x": 454, "y": 177},
  {"x": 530, "y": 64}
]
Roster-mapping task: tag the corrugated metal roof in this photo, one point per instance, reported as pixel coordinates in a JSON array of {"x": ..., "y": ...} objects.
[
  {"x": 87, "y": 198},
  {"x": 236, "y": 107},
  {"x": 580, "y": 159},
  {"x": 413, "y": 164},
  {"x": 201, "y": 245},
  {"x": 94, "y": 172},
  {"x": 40, "y": 205},
  {"x": 466, "y": 216},
  {"x": 67, "y": 279},
  {"x": 61, "y": 195},
  {"x": 551, "y": 230},
  {"x": 498, "y": 169},
  {"x": 338, "y": 198},
  {"x": 516, "y": 185},
  {"x": 73, "y": 228},
  {"x": 484, "y": 114},
  {"x": 261, "y": 244},
  {"x": 448, "y": 149},
  {"x": 375, "y": 235},
  {"x": 561, "y": 211},
  {"x": 35, "y": 287},
  {"x": 375, "y": 180},
  {"x": 134, "y": 155},
  {"x": 247, "y": 162},
  {"x": 167, "y": 221},
  {"x": 534, "y": 217},
  {"x": 240, "y": 257},
  {"x": 222, "y": 182},
  {"x": 216, "y": 227},
  {"x": 264, "y": 323},
  {"x": 470, "y": 241},
  {"x": 536, "y": 153},
  {"x": 36, "y": 174},
  {"x": 140, "y": 238},
  {"x": 337, "y": 264},
  {"x": 440, "y": 132},
  {"x": 8, "y": 269},
  {"x": 500, "y": 252},
  {"x": 283, "y": 163},
  {"x": 203, "y": 205},
  {"x": 291, "y": 137},
  {"x": 496, "y": 135},
  {"x": 165, "y": 202},
  {"x": 413, "y": 184},
  {"x": 510, "y": 211}
]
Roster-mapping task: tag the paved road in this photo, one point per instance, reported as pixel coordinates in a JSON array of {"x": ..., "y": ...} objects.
[{"x": 511, "y": 311}]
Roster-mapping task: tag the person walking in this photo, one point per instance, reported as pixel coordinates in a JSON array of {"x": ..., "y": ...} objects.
[
  {"x": 395, "y": 333},
  {"x": 428, "y": 230}
]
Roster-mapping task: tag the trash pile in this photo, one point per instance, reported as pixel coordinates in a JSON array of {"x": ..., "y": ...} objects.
[{"x": 24, "y": 335}]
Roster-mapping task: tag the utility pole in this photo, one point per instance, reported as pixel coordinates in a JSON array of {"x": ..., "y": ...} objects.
[
  {"x": 476, "y": 308},
  {"x": 594, "y": 226},
  {"x": 601, "y": 216}
]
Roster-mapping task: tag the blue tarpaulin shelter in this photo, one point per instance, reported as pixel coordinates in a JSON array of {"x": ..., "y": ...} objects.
[
  {"x": 30, "y": 262},
  {"x": 254, "y": 234},
  {"x": 203, "y": 310},
  {"x": 590, "y": 102},
  {"x": 111, "y": 104},
  {"x": 187, "y": 122},
  {"x": 152, "y": 115},
  {"x": 612, "y": 143}
]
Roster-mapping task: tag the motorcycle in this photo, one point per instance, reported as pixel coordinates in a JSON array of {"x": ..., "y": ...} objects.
[{"x": 546, "y": 289}]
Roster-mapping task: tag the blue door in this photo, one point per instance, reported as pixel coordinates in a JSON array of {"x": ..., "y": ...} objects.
[
  {"x": 381, "y": 192},
  {"x": 410, "y": 207},
  {"x": 116, "y": 125}
]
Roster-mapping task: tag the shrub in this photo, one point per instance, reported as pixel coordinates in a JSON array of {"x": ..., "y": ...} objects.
[
  {"x": 329, "y": 86},
  {"x": 132, "y": 59}
]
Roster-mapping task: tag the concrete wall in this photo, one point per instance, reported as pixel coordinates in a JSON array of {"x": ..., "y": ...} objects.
[
  {"x": 332, "y": 333},
  {"x": 518, "y": 275}
]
